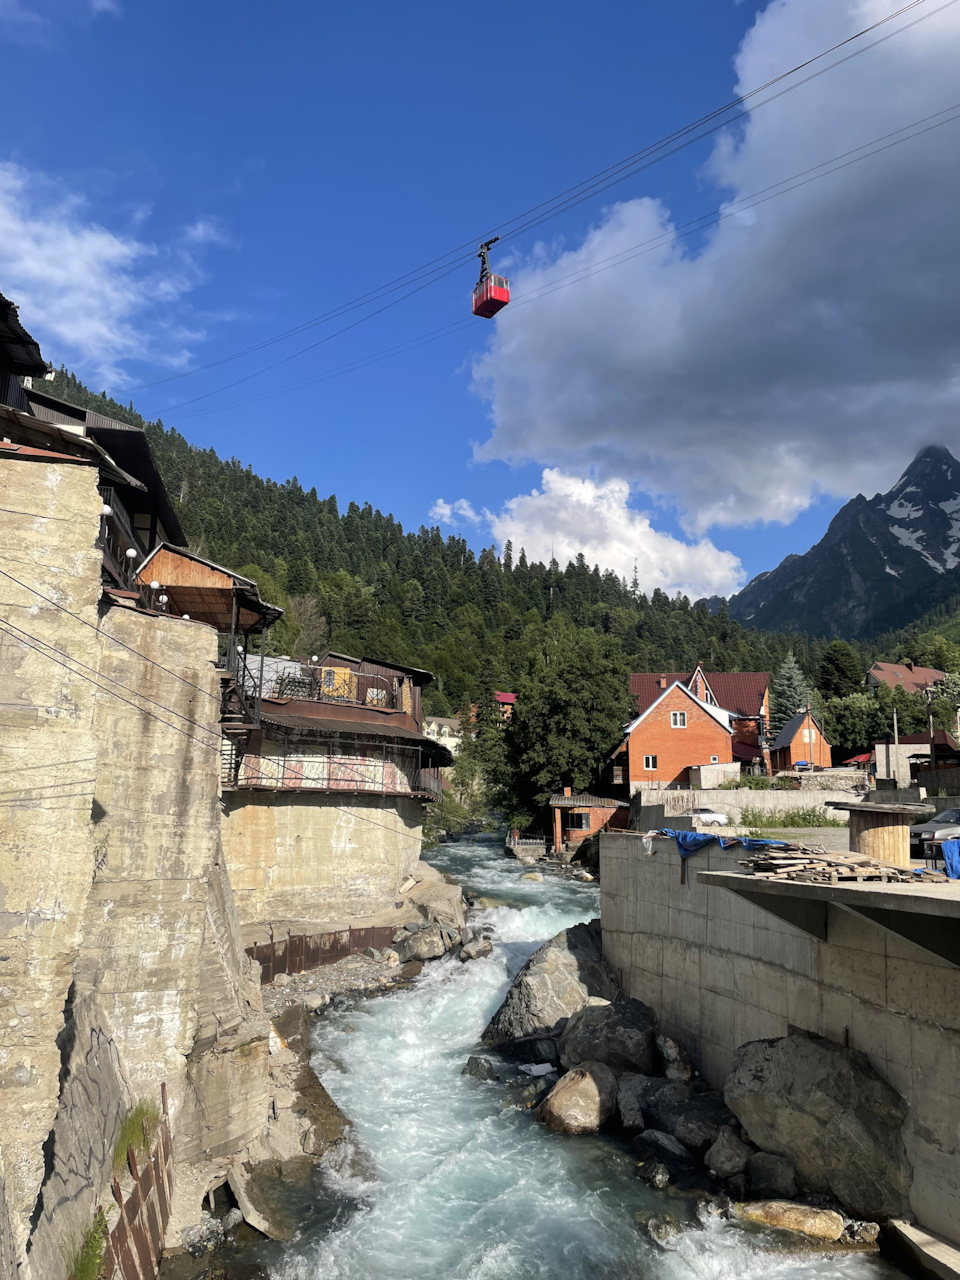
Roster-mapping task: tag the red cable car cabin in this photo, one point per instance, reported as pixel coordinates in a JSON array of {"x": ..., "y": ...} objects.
[{"x": 490, "y": 296}]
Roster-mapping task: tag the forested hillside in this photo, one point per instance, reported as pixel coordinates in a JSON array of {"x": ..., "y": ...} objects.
[{"x": 356, "y": 581}]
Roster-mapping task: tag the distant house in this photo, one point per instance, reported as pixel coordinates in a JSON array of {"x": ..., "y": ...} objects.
[
  {"x": 505, "y": 703},
  {"x": 575, "y": 817},
  {"x": 744, "y": 694},
  {"x": 800, "y": 742},
  {"x": 677, "y": 732},
  {"x": 912, "y": 753},
  {"x": 903, "y": 675},
  {"x": 445, "y": 730}
]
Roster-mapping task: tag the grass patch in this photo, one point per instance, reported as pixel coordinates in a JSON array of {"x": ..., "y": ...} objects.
[
  {"x": 144, "y": 1114},
  {"x": 759, "y": 819},
  {"x": 87, "y": 1263}
]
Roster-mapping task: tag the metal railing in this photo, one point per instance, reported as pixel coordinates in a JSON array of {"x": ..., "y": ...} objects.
[
  {"x": 246, "y": 681},
  {"x": 117, "y": 537},
  {"x": 430, "y": 781},
  {"x": 338, "y": 684}
]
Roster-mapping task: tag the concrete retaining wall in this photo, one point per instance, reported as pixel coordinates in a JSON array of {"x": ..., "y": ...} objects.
[
  {"x": 733, "y": 802},
  {"x": 719, "y": 971}
]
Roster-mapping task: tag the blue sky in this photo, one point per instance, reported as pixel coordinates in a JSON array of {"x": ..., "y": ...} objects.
[{"x": 179, "y": 182}]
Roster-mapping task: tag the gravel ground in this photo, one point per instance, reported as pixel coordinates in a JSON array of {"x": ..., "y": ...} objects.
[{"x": 355, "y": 975}]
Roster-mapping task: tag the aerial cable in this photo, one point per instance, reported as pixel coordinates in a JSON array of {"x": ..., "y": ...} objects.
[
  {"x": 441, "y": 266},
  {"x": 700, "y": 223}
]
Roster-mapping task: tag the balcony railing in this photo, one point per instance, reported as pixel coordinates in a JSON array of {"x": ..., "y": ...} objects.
[
  {"x": 338, "y": 684},
  {"x": 117, "y": 537},
  {"x": 430, "y": 782}
]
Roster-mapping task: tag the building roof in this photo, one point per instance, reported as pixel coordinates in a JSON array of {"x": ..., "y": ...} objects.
[
  {"x": 740, "y": 692},
  {"x": 720, "y": 714},
  {"x": 445, "y": 722},
  {"x": 37, "y": 441},
  {"x": 792, "y": 728},
  {"x": 18, "y": 350},
  {"x": 383, "y": 731},
  {"x": 905, "y": 675},
  {"x": 585, "y": 801},
  {"x": 941, "y": 738},
  {"x": 508, "y": 698},
  {"x": 207, "y": 591}
]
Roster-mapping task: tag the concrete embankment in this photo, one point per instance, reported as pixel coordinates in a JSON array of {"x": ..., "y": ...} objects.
[{"x": 873, "y": 974}]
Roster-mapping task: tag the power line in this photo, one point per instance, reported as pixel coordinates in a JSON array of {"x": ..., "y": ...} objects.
[
  {"x": 80, "y": 676},
  {"x": 438, "y": 268},
  {"x": 113, "y": 680},
  {"x": 700, "y": 223},
  {"x": 113, "y": 639}
]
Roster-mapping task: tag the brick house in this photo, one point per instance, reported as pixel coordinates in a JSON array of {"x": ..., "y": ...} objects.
[
  {"x": 800, "y": 741},
  {"x": 675, "y": 732},
  {"x": 903, "y": 675},
  {"x": 744, "y": 694},
  {"x": 574, "y": 817}
]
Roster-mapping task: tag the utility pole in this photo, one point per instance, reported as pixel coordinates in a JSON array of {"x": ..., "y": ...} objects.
[{"x": 896, "y": 746}]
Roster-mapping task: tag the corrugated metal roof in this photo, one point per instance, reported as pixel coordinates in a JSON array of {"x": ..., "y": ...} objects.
[
  {"x": 585, "y": 801},
  {"x": 18, "y": 350},
  {"x": 386, "y": 732}
]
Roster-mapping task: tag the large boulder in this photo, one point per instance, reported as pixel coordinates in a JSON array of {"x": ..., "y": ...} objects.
[
  {"x": 822, "y": 1224},
  {"x": 728, "y": 1156},
  {"x": 772, "y": 1176},
  {"x": 825, "y": 1109},
  {"x": 693, "y": 1112},
  {"x": 551, "y": 986},
  {"x": 427, "y": 943},
  {"x": 582, "y": 1101},
  {"x": 623, "y": 1035},
  {"x": 632, "y": 1093}
]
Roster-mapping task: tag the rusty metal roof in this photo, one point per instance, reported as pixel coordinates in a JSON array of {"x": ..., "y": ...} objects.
[
  {"x": 327, "y": 727},
  {"x": 585, "y": 801}
]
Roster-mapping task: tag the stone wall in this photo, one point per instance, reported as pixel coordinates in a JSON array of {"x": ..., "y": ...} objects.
[
  {"x": 734, "y": 800},
  {"x": 720, "y": 971},
  {"x": 330, "y": 861}
]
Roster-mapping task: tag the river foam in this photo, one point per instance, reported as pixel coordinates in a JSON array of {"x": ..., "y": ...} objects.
[{"x": 468, "y": 1187}]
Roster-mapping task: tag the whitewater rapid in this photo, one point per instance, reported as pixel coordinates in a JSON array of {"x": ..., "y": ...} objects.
[{"x": 466, "y": 1186}]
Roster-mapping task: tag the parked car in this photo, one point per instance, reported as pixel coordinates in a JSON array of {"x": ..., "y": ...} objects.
[
  {"x": 942, "y": 826},
  {"x": 709, "y": 817}
]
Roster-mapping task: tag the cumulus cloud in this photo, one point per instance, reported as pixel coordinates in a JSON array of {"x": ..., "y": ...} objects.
[
  {"x": 568, "y": 516},
  {"x": 37, "y": 23},
  {"x": 93, "y": 297},
  {"x": 459, "y": 512},
  {"x": 808, "y": 345}
]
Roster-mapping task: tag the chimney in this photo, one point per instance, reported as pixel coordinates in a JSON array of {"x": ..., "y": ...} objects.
[
  {"x": 661, "y": 682},
  {"x": 567, "y": 791}
]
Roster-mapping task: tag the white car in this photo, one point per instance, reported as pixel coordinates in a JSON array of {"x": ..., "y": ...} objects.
[{"x": 709, "y": 817}]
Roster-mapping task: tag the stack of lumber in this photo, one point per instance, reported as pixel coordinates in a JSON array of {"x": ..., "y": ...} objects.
[{"x": 819, "y": 867}]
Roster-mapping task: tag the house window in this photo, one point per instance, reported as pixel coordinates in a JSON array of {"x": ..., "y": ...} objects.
[
  {"x": 650, "y": 762},
  {"x": 808, "y": 735},
  {"x": 678, "y": 719},
  {"x": 617, "y": 775},
  {"x": 578, "y": 821},
  {"x": 714, "y": 759}
]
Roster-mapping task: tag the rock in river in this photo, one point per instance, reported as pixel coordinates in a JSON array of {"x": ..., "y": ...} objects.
[
  {"x": 475, "y": 950},
  {"x": 728, "y": 1156},
  {"x": 827, "y": 1110},
  {"x": 426, "y": 944},
  {"x": 823, "y": 1224},
  {"x": 582, "y": 1101},
  {"x": 623, "y": 1035},
  {"x": 552, "y": 985},
  {"x": 771, "y": 1176}
]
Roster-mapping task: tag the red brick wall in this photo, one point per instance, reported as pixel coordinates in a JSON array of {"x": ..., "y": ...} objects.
[
  {"x": 600, "y": 820},
  {"x": 677, "y": 749}
]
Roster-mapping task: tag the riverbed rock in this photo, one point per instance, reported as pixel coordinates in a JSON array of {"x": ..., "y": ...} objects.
[
  {"x": 861, "y": 1232},
  {"x": 676, "y": 1060},
  {"x": 582, "y": 1101},
  {"x": 426, "y": 944},
  {"x": 437, "y": 900},
  {"x": 825, "y": 1108},
  {"x": 728, "y": 1155},
  {"x": 553, "y": 984},
  {"x": 663, "y": 1231},
  {"x": 632, "y": 1090},
  {"x": 479, "y": 1068},
  {"x": 476, "y": 950},
  {"x": 772, "y": 1176},
  {"x": 533, "y": 875},
  {"x": 691, "y": 1112},
  {"x": 623, "y": 1035},
  {"x": 784, "y": 1215},
  {"x": 654, "y": 1172}
]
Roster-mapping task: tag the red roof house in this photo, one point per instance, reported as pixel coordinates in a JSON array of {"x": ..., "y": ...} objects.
[
  {"x": 745, "y": 694},
  {"x": 677, "y": 731}
]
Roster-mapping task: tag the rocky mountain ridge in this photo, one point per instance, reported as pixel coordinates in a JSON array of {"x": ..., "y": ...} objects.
[{"x": 882, "y": 562}]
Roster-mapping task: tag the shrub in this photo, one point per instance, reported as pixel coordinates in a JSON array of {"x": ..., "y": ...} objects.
[
  {"x": 747, "y": 782},
  {"x": 132, "y": 1133},
  {"x": 87, "y": 1262},
  {"x": 759, "y": 819}
]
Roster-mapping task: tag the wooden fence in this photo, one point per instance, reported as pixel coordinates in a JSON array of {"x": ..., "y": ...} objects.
[{"x": 135, "y": 1244}]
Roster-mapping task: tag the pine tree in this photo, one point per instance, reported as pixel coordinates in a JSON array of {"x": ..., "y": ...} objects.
[{"x": 789, "y": 694}]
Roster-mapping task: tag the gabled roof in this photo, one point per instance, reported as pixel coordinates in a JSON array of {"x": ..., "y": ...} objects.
[
  {"x": 721, "y": 716},
  {"x": 792, "y": 728},
  {"x": 740, "y": 692},
  {"x": 903, "y": 676}
]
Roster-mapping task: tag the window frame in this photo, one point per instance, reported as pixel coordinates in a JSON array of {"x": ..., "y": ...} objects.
[
  {"x": 678, "y": 719},
  {"x": 650, "y": 764}
]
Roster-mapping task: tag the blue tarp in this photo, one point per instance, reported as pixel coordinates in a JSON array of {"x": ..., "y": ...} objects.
[
  {"x": 951, "y": 858},
  {"x": 691, "y": 842}
]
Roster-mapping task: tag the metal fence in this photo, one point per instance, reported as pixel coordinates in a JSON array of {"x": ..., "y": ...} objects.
[
  {"x": 135, "y": 1244},
  {"x": 299, "y": 952}
]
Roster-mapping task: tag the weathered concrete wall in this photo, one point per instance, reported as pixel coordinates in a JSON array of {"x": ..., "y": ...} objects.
[
  {"x": 732, "y": 802},
  {"x": 48, "y": 754},
  {"x": 720, "y": 971},
  {"x": 326, "y": 860},
  {"x": 114, "y": 900}
]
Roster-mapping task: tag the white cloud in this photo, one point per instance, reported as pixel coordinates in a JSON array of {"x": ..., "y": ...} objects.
[
  {"x": 38, "y": 23},
  {"x": 810, "y": 345},
  {"x": 91, "y": 296},
  {"x": 568, "y": 516},
  {"x": 209, "y": 231},
  {"x": 454, "y": 513}
]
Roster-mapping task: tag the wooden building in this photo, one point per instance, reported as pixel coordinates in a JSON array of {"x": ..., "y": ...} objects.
[{"x": 800, "y": 744}]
